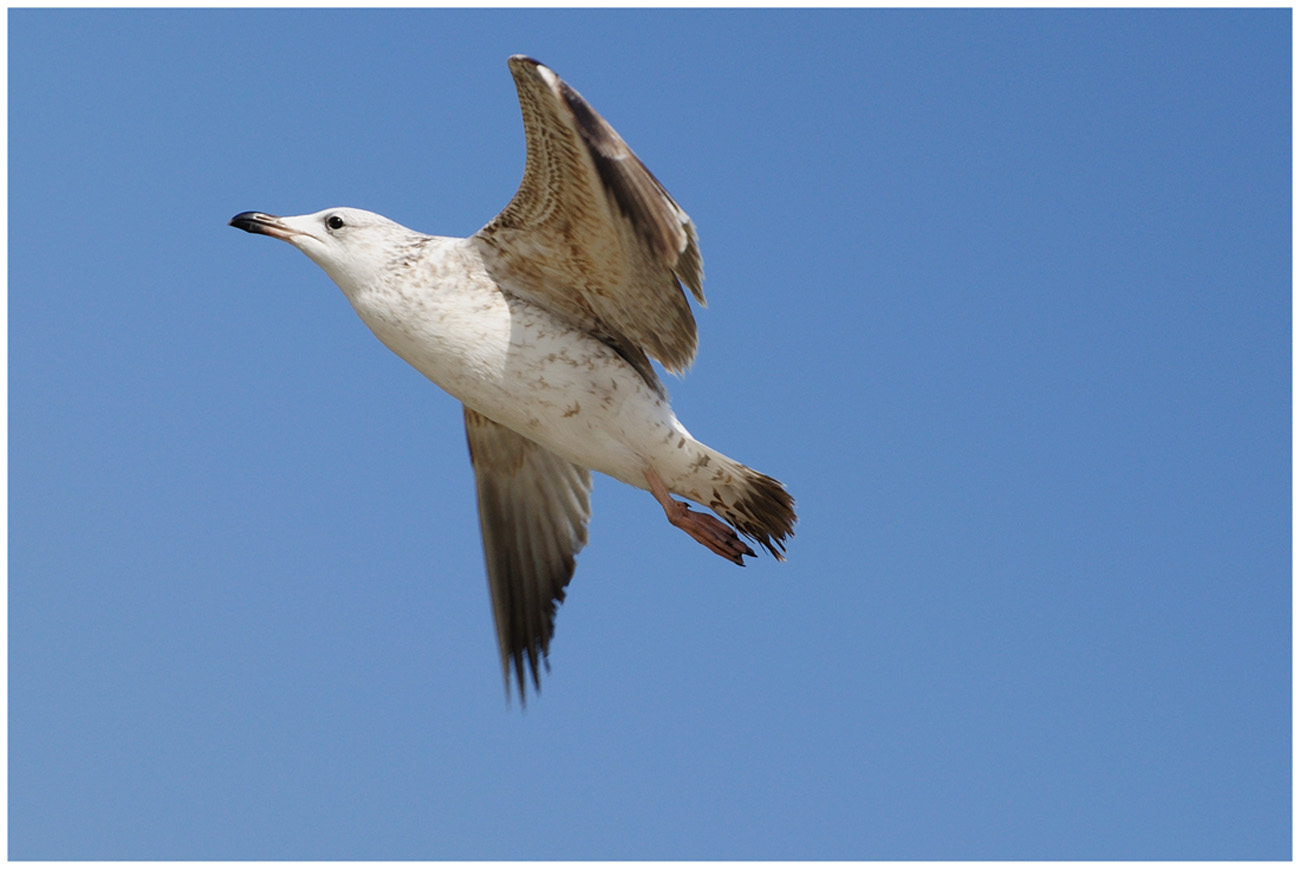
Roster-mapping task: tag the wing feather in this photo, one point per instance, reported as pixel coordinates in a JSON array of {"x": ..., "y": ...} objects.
[
  {"x": 591, "y": 234},
  {"x": 533, "y": 512}
]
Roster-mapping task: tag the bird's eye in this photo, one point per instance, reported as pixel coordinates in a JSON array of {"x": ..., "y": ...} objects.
[{"x": 334, "y": 222}]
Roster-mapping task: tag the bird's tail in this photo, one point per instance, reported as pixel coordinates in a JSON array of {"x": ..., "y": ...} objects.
[{"x": 756, "y": 505}]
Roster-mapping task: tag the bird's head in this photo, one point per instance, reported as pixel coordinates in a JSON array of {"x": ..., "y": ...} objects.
[{"x": 351, "y": 245}]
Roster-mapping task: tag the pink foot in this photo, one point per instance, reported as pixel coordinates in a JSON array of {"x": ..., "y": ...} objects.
[{"x": 717, "y": 535}]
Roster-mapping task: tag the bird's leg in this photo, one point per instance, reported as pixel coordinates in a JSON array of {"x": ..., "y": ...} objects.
[{"x": 713, "y": 533}]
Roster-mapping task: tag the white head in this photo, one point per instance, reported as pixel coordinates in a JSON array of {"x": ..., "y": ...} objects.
[{"x": 351, "y": 245}]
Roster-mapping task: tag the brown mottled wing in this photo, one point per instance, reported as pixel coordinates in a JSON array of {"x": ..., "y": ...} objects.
[
  {"x": 533, "y": 510},
  {"x": 591, "y": 234}
]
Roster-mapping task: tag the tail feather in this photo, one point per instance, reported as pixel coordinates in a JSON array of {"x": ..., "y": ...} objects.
[{"x": 759, "y": 507}]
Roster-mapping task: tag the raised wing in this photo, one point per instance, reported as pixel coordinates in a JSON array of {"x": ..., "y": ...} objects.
[
  {"x": 591, "y": 234},
  {"x": 533, "y": 510}
]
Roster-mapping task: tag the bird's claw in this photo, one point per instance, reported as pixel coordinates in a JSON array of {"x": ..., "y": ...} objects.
[{"x": 717, "y": 535}]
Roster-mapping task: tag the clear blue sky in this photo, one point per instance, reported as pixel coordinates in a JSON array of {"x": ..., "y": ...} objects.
[{"x": 1003, "y": 298}]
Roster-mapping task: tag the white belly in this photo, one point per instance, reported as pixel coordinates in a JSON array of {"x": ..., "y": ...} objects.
[{"x": 519, "y": 365}]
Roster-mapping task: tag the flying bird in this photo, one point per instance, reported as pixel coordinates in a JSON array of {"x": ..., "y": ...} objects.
[{"x": 543, "y": 324}]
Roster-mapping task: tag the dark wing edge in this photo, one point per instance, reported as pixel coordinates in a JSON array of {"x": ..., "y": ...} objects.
[
  {"x": 655, "y": 216},
  {"x": 533, "y": 510}
]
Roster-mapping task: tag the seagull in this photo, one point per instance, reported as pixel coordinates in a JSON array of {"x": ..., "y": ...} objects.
[{"x": 543, "y": 324}]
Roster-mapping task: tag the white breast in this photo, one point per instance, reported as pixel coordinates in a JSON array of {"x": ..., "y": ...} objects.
[{"x": 518, "y": 364}]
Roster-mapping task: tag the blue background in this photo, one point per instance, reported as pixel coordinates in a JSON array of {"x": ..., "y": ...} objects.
[{"x": 1002, "y": 297}]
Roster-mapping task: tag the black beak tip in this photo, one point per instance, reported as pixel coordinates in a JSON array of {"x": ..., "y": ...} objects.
[{"x": 246, "y": 220}]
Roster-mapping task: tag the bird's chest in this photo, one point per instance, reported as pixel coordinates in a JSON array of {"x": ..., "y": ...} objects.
[
  {"x": 522, "y": 367},
  {"x": 454, "y": 333},
  {"x": 502, "y": 356}
]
